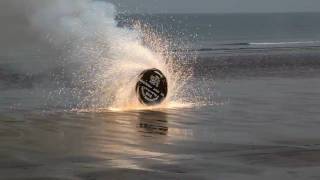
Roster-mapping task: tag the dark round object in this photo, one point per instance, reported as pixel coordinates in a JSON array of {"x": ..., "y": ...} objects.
[{"x": 152, "y": 87}]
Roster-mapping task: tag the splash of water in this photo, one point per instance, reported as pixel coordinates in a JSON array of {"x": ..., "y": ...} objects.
[{"x": 103, "y": 59}]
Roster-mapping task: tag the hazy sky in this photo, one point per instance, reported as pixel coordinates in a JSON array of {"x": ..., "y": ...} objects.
[{"x": 216, "y": 6}]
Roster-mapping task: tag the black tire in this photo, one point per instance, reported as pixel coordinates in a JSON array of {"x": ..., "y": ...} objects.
[{"x": 152, "y": 87}]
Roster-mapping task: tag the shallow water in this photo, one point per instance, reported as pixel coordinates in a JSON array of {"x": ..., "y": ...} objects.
[
  {"x": 256, "y": 115},
  {"x": 260, "y": 127}
]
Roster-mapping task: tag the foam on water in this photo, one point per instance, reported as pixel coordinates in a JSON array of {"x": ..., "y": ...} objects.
[{"x": 285, "y": 43}]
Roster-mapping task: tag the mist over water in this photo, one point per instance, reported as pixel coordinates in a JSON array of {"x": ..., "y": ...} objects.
[{"x": 97, "y": 63}]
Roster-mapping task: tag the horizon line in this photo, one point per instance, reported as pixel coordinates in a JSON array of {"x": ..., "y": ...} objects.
[{"x": 221, "y": 13}]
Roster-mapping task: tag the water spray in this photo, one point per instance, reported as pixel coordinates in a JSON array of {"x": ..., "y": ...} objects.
[{"x": 100, "y": 65}]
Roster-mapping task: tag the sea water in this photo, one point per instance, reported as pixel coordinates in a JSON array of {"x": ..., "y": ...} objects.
[{"x": 251, "y": 109}]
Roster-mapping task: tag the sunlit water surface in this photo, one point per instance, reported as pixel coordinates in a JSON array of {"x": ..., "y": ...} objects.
[{"x": 259, "y": 127}]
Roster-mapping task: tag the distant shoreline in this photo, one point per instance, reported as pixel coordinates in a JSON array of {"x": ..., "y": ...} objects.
[{"x": 214, "y": 13}]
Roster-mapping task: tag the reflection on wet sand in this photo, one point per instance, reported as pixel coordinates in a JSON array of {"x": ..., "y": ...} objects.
[
  {"x": 151, "y": 122},
  {"x": 131, "y": 138},
  {"x": 139, "y": 145}
]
